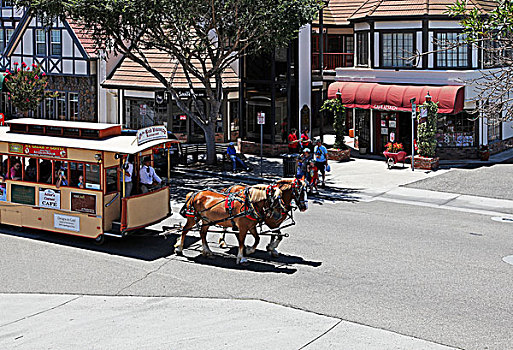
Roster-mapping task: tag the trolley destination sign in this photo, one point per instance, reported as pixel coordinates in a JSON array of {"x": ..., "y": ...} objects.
[{"x": 41, "y": 151}]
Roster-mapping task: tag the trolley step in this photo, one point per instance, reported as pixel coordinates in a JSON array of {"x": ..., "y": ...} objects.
[{"x": 116, "y": 227}]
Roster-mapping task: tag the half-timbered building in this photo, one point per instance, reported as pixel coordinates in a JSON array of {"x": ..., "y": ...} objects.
[{"x": 66, "y": 53}]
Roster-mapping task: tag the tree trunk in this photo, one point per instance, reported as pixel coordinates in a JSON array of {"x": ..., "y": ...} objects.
[{"x": 210, "y": 138}]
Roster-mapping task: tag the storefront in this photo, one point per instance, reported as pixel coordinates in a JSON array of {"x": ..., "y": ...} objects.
[{"x": 382, "y": 113}]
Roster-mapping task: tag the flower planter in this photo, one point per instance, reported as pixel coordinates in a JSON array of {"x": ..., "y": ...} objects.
[
  {"x": 341, "y": 155},
  {"x": 426, "y": 163}
]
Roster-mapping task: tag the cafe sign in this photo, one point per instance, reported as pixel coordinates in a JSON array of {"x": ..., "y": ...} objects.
[
  {"x": 151, "y": 133},
  {"x": 40, "y": 151},
  {"x": 49, "y": 198},
  {"x": 385, "y": 107}
]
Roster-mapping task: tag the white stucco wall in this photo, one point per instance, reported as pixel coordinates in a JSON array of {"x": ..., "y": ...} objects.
[{"x": 304, "y": 71}]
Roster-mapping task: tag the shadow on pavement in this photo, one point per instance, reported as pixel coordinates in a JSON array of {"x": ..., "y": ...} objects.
[{"x": 145, "y": 246}]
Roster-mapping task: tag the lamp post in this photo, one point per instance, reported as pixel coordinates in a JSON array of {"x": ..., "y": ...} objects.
[{"x": 413, "y": 116}]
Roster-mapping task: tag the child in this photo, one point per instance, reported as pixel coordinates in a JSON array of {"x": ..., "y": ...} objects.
[{"x": 312, "y": 177}]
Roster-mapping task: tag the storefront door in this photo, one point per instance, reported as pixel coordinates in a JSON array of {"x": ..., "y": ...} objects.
[{"x": 387, "y": 129}]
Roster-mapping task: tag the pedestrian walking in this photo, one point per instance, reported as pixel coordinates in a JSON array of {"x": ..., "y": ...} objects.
[
  {"x": 321, "y": 159},
  {"x": 302, "y": 163},
  {"x": 305, "y": 139},
  {"x": 232, "y": 153}
]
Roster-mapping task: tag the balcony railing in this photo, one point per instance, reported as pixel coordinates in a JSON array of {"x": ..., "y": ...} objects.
[{"x": 332, "y": 60}]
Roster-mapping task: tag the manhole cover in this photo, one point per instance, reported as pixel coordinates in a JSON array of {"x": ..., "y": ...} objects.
[
  {"x": 503, "y": 219},
  {"x": 508, "y": 259}
]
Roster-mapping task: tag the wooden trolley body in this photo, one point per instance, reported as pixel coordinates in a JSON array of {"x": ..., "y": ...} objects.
[{"x": 92, "y": 208}]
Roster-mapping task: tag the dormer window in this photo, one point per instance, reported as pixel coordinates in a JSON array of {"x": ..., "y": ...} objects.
[{"x": 397, "y": 48}]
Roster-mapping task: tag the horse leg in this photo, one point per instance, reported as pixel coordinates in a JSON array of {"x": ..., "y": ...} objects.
[
  {"x": 241, "y": 237},
  {"x": 203, "y": 233},
  {"x": 222, "y": 242},
  {"x": 179, "y": 244},
  {"x": 271, "y": 247},
  {"x": 257, "y": 240}
]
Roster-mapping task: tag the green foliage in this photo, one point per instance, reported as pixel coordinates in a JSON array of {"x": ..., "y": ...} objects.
[
  {"x": 335, "y": 107},
  {"x": 426, "y": 131},
  {"x": 26, "y": 86}
]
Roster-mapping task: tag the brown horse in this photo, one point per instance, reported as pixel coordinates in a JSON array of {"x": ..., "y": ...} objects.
[
  {"x": 243, "y": 209},
  {"x": 291, "y": 190}
]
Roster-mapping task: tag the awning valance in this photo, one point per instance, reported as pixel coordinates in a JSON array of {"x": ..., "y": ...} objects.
[{"x": 450, "y": 98}]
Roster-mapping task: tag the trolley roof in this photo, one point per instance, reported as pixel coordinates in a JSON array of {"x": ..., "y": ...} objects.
[
  {"x": 63, "y": 123},
  {"x": 117, "y": 144}
]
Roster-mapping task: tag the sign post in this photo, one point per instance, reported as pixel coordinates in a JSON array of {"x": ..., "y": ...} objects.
[
  {"x": 413, "y": 117},
  {"x": 261, "y": 122}
]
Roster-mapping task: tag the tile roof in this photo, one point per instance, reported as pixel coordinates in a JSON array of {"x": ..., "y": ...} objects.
[
  {"x": 85, "y": 38},
  {"x": 386, "y": 8},
  {"x": 132, "y": 74},
  {"x": 340, "y": 12}
]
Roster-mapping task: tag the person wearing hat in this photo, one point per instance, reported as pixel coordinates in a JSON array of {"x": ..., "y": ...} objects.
[
  {"x": 148, "y": 176},
  {"x": 321, "y": 159},
  {"x": 232, "y": 153},
  {"x": 302, "y": 163}
]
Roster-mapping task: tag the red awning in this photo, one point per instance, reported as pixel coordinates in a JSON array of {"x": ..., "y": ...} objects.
[{"x": 450, "y": 98}]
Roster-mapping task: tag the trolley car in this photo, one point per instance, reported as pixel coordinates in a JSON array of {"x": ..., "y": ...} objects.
[{"x": 68, "y": 177}]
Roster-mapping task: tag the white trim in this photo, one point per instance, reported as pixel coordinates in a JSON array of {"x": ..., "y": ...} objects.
[
  {"x": 444, "y": 25},
  {"x": 398, "y": 25}
]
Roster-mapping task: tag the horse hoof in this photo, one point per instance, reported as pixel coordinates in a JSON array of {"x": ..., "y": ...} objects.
[
  {"x": 274, "y": 253},
  {"x": 206, "y": 253},
  {"x": 179, "y": 252},
  {"x": 222, "y": 244}
]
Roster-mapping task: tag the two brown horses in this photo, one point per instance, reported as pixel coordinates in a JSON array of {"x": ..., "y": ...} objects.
[
  {"x": 292, "y": 190},
  {"x": 244, "y": 208}
]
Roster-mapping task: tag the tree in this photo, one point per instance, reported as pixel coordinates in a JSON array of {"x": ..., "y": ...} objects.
[
  {"x": 203, "y": 36},
  {"x": 491, "y": 32},
  {"x": 426, "y": 130},
  {"x": 26, "y": 87},
  {"x": 338, "y": 110}
]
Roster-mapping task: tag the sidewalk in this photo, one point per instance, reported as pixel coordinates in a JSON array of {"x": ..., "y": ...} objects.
[{"x": 39, "y": 321}]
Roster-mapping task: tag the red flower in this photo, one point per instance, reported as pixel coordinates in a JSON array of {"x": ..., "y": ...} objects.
[
  {"x": 23, "y": 64},
  {"x": 18, "y": 70},
  {"x": 36, "y": 77},
  {"x": 15, "y": 63},
  {"x": 7, "y": 71},
  {"x": 44, "y": 74}
]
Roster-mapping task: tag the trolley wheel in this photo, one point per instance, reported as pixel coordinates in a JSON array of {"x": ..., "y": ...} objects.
[
  {"x": 390, "y": 163},
  {"x": 99, "y": 240}
]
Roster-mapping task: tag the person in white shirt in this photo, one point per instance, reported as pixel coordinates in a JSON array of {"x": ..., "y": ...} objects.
[
  {"x": 129, "y": 171},
  {"x": 148, "y": 176}
]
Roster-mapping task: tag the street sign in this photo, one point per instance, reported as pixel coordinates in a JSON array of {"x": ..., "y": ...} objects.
[
  {"x": 413, "y": 111},
  {"x": 261, "y": 118}
]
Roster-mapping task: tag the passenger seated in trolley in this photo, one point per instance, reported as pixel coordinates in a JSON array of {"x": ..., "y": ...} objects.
[{"x": 148, "y": 178}]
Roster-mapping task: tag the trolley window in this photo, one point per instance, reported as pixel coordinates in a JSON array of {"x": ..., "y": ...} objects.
[
  {"x": 92, "y": 176},
  {"x": 111, "y": 176}
]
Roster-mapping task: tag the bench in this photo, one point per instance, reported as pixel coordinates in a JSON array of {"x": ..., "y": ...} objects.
[{"x": 195, "y": 150}]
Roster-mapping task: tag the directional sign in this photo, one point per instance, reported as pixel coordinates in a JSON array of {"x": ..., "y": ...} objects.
[{"x": 413, "y": 111}]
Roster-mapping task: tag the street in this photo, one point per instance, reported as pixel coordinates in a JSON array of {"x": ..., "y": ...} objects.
[{"x": 431, "y": 274}]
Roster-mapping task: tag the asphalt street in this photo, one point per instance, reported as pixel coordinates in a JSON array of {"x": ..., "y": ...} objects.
[{"x": 427, "y": 273}]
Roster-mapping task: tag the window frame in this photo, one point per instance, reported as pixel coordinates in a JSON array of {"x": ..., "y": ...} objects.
[
  {"x": 436, "y": 65},
  {"x": 52, "y": 43},
  {"x": 359, "y": 53},
  {"x": 413, "y": 33},
  {"x": 37, "y": 42}
]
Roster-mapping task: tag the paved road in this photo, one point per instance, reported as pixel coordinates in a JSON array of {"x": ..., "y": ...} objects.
[{"x": 426, "y": 273}]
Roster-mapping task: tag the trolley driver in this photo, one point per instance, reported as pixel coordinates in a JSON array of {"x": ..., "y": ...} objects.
[{"x": 148, "y": 176}]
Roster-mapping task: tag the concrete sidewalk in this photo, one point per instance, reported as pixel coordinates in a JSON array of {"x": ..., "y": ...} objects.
[{"x": 34, "y": 321}]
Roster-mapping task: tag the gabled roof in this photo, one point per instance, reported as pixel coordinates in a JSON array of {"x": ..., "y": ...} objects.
[
  {"x": 130, "y": 74},
  {"x": 84, "y": 36},
  {"x": 386, "y": 8},
  {"x": 341, "y": 12}
]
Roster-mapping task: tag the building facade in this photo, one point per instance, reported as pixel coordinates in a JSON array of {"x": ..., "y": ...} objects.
[
  {"x": 377, "y": 55},
  {"x": 66, "y": 53}
]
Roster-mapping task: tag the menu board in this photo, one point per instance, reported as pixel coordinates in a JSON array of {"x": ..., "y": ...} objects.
[
  {"x": 82, "y": 202},
  {"x": 23, "y": 194}
]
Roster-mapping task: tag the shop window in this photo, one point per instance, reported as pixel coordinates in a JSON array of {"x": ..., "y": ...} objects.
[
  {"x": 494, "y": 130},
  {"x": 73, "y": 106},
  {"x": 396, "y": 48},
  {"x": 362, "y": 47},
  {"x": 457, "y": 130},
  {"x": 111, "y": 179},
  {"x": 93, "y": 178},
  {"x": 457, "y": 57}
]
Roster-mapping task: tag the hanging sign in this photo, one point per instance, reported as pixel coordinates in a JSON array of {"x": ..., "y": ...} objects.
[
  {"x": 392, "y": 136},
  {"x": 385, "y": 107},
  {"x": 49, "y": 198},
  {"x": 151, "y": 133}
]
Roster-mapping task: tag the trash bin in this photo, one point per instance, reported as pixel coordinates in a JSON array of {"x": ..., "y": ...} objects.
[{"x": 289, "y": 165}]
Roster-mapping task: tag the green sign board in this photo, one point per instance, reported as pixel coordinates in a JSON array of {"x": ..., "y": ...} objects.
[{"x": 23, "y": 194}]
